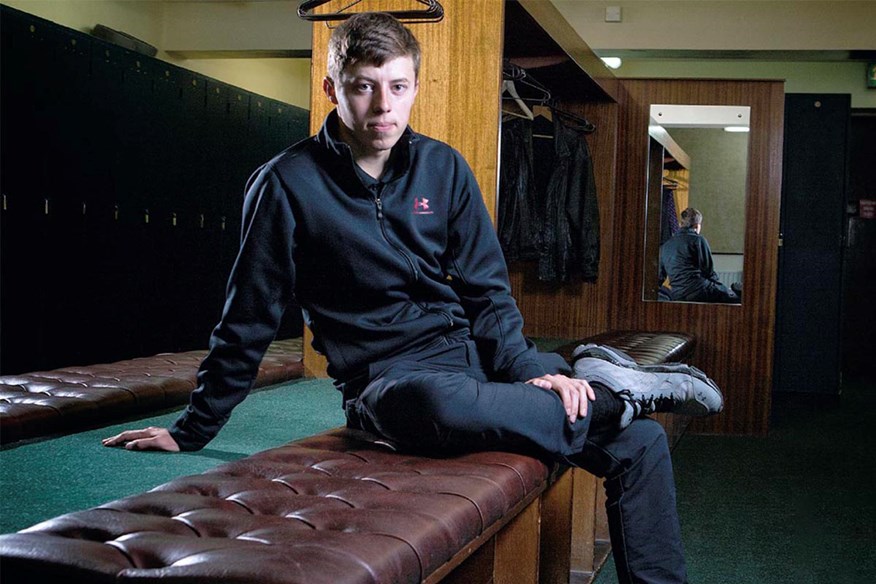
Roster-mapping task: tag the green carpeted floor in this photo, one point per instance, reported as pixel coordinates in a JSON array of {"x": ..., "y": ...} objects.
[
  {"x": 39, "y": 480},
  {"x": 796, "y": 507}
]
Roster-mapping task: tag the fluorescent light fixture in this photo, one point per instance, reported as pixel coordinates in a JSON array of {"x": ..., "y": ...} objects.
[
  {"x": 612, "y": 62},
  {"x": 736, "y": 129}
]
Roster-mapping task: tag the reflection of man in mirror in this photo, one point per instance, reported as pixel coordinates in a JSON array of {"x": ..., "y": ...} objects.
[{"x": 687, "y": 260}]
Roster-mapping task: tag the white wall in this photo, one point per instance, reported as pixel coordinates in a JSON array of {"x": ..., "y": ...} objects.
[
  {"x": 725, "y": 24},
  {"x": 782, "y": 33}
]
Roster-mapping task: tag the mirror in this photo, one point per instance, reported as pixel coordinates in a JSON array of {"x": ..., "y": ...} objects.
[{"x": 698, "y": 159}]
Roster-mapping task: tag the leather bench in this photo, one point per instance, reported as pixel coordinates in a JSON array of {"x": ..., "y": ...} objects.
[
  {"x": 341, "y": 507},
  {"x": 70, "y": 399},
  {"x": 335, "y": 508},
  {"x": 646, "y": 348}
]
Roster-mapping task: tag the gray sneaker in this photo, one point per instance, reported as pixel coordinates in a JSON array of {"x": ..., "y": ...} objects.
[{"x": 647, "y": 389}]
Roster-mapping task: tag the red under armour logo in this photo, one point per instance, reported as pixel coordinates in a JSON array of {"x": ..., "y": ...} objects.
[{"x": 421, "y": 206}]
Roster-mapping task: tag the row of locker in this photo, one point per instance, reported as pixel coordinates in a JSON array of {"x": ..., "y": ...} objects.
[{"x": 122, "y": 188}]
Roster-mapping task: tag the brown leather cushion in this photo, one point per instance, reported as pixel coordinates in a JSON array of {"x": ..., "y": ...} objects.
[
  {"x": 646, "y": 348},
  {"x": 73, "y": 398},
  {"x": 335, "y": 508}
]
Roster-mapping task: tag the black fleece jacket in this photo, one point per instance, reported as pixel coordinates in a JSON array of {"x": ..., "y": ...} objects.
[{"x": 379, "y": 272}]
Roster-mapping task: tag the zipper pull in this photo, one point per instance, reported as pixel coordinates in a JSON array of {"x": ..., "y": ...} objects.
[{"x": 379, "y": 207}]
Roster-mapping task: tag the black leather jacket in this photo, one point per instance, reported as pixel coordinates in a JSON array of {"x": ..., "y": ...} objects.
[
  {"x": 549, "y": 209},
  {"x": 379, "y": 272}
]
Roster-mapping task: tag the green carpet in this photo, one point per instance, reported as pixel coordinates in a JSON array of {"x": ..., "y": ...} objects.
[
  {"x": 796, "y": 507},
  {"x": 40, "y": 480}
]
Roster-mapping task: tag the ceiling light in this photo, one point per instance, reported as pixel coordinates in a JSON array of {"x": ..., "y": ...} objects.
[
  {"x": 612, "y": 62},
  {"x": 736, "y": 129}
]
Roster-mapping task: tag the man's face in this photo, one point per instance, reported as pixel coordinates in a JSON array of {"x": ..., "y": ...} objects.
[{"x": 374, "y": 104}]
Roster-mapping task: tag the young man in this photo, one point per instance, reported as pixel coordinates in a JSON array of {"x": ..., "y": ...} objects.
[
  {"x": 383, "y": 238},
  {"x": 687, "y": 260}
]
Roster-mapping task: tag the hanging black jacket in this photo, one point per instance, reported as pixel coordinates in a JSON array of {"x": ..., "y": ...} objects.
[
  {"x": 378, "y": 272},
  {"x": 570, "y": 241},
  {"x": 548, "y": 203},
  {"x": 520, "y": 208}
]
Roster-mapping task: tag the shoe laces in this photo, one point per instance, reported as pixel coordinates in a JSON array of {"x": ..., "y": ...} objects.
[{"x": 648, "y": 403}]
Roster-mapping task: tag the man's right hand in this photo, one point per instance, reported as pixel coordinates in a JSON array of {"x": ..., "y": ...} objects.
[{"x": 151, "y": 438}]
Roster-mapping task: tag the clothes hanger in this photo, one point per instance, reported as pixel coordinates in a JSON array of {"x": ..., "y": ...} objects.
[
  {"x": 524, "y": 111},
  {"x": 523, "y": 80},
  {"x": 578, "y": 122},
  {"x": 433, "y": 12},
  {"x": 543, "y": 124}
]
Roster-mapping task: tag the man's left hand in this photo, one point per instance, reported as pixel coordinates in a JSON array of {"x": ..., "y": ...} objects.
[{"x": 575, "y": 393}]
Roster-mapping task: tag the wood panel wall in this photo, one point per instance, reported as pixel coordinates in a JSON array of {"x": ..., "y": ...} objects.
[
  {"x": 734, "y": 343},
  {"x": 458, "y": 102}
]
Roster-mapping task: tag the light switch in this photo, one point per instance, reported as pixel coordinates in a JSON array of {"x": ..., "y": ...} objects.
[{"x": 612, "y": 14}]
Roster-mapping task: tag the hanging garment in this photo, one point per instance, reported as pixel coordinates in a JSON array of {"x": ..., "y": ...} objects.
[
  {"x": 519, "y": 217},
  {"x": 668, "y": 216},
  {"x": 570, "y": 239},
  {"x": 550, "y": 210}
]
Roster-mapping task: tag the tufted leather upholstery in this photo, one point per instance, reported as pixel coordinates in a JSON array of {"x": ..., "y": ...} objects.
[
  {"x": 646, "y": 348},
  {"x": 335, "y": 508},
  {"x": 73, "y": 398}
]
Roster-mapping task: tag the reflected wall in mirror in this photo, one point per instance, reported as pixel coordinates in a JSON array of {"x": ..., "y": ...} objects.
[{"x": 698, "y": 159}]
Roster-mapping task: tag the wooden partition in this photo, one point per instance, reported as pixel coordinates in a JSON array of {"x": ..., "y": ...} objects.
[{"x": 734, "y": 343}]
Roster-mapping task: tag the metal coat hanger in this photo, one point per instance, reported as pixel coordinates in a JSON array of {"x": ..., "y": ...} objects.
[
  {"x": 523, "y": 80},
  {"x": 521, "y": 77},
  {"x": 433, "y": 12},
  {"x": 578, "y": 123}
]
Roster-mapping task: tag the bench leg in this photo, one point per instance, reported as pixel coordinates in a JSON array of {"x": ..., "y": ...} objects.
[
  {"x": 556, "y": 531},
  {"x": 517, "y": 548},
  {"x": 590, "y": 540},
  {"x": 509, "y": 557}
]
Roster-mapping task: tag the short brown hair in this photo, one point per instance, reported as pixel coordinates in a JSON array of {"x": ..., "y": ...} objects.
[
  {"x": 691, "y": 217},
  {"x": 373, "y": 38}
]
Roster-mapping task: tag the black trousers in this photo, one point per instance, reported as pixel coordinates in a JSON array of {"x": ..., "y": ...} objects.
[{"x": 440, "y": 401}]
